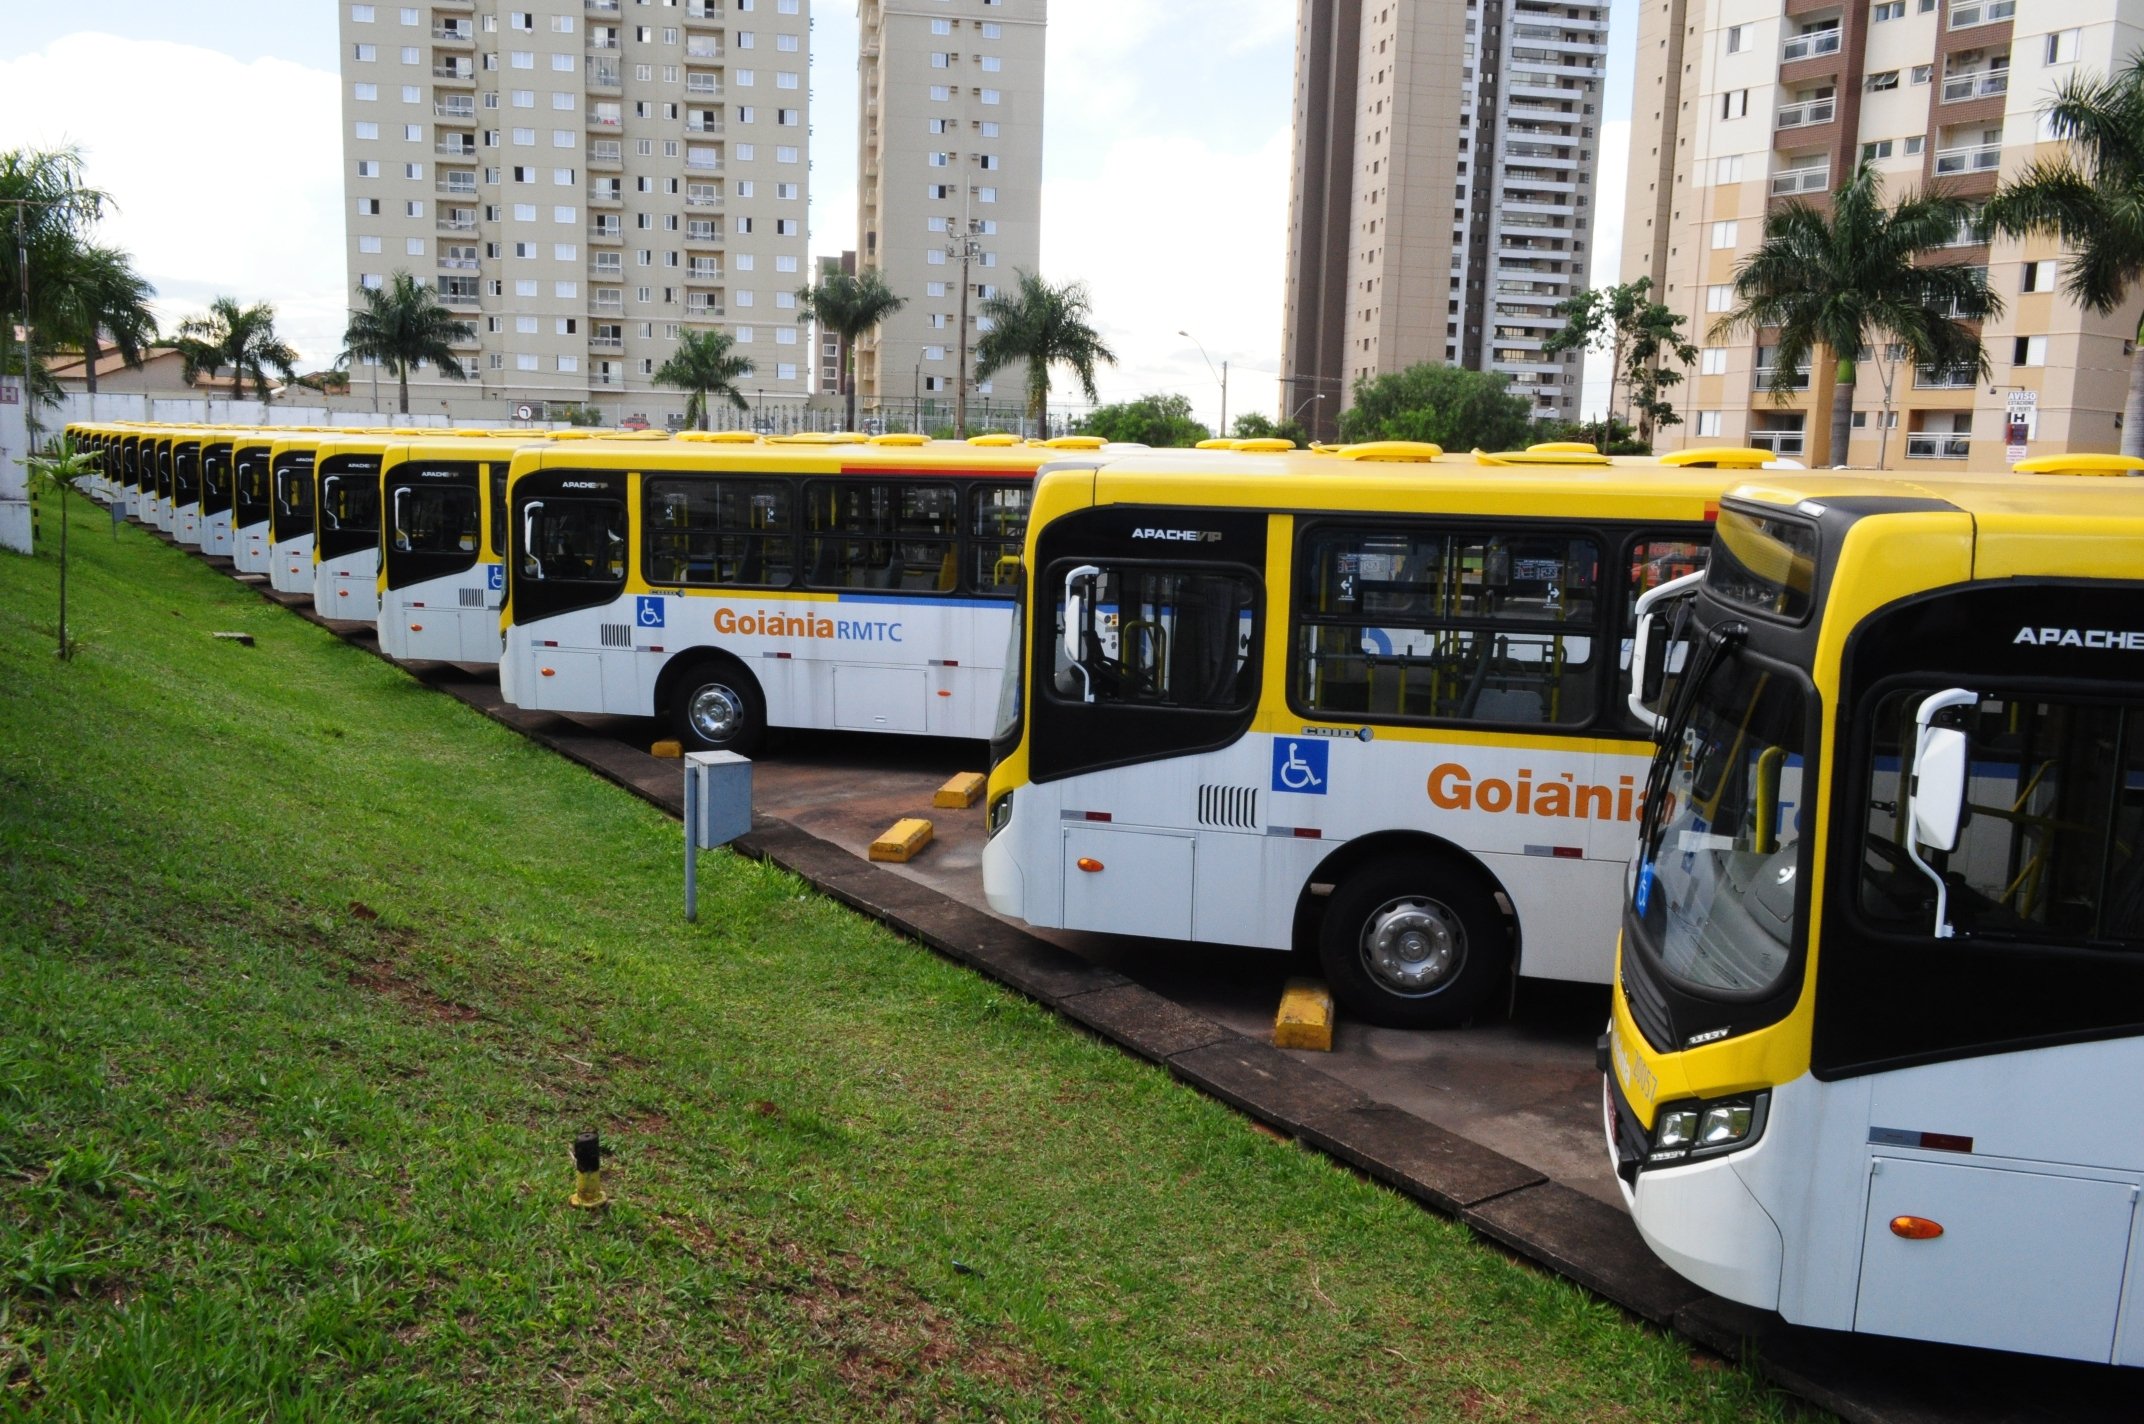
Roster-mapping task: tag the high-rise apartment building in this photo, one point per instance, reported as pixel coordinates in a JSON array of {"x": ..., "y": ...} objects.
[
  {"x": 1742, "y": 105},
  {"x": 582, "y": 180},
  {"x": 949, "y": 179},
  {"x": 1444, "y": 166}
]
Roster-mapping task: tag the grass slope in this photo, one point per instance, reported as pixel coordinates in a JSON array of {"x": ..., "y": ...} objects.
[{"x": 308, "y": 976}]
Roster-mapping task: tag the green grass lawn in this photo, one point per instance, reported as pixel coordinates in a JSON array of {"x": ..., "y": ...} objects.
[{"x": 309, "y": 976}]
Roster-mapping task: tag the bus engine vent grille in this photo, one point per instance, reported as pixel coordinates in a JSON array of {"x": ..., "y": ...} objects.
[
  {"x": 617, "y": 635},
  {"x": 472, "y": 598},
  {"x": 1235, "y": 807}
]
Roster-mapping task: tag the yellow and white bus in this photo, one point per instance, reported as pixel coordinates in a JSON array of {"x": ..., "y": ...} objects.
[
  {"x": 216, "y": 492},
  {"x": 1363, "y": 702},
  {"x": 291, "y": 461},
  {"x": 443, "y": 545},
  {"x": 734, "y": 585},
  {"x": 1879, "y": 1018},
  {"x": 251, "y": 500}
]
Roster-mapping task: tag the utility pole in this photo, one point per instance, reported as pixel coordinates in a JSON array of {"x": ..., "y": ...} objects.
[{"x": 966, "y": 247}]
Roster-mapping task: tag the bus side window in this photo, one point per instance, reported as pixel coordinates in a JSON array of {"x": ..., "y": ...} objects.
[{"x": 1162, "y": 637}]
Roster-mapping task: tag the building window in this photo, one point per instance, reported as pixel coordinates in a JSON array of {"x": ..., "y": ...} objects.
[
  {"x": 1712, "y": 361},
  {"x": 1724, "y": 234},
  {"x": 1719, "y": 298},
  {"x": 1888, "y": 10},
  {"x": 1921, "y": 73},
  {"x": 2062, "y": 47},
  {"x": 2028, "y": 351},
  {"x": 1883, "y": 81},
  {"x": 2038, "y": 276},
  {"x": 1737, "y": 38}
]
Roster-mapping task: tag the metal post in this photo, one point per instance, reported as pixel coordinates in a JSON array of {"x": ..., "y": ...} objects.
[{"x": 692, "y": 846}]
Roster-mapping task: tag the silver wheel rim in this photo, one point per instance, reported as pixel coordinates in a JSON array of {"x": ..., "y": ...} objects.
[
  {"x": 715, "y": 712},
  {"x": 1413, "y": 945}
]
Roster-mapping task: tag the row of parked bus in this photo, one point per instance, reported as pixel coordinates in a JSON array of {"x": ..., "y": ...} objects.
[{"x": 1849, "y": 757}]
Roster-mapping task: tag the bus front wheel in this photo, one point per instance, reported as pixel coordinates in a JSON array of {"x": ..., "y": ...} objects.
[
  {"x": 717, "y": 707},
  {"x": 1412, "y": 942}
]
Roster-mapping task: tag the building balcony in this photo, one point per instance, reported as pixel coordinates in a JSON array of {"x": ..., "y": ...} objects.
[
  {"x": 1975, "y": 158},
  {"x": 1761, "y": 378},
  {"x": 702, "y": 10},
  {"x": 1795, "y": 181},
  {"x": 1779, "y": 442},
  {"x": 607, "y": 302},
  {"x": 703, "y": 234},
  {"x": 448, "y": 109},
  {"x": 455, "y": 74},
  {"x": 1938, "y": 378},
  {"x": 604, "y": 44},
  {"x": 606, "y": 232},
  {"x": 456, "y": 186},
  {"x": 457, "y": 35},
  {"x": 702, "y": 86},
  {"x": 456, "y": 224},
  {"x": 606, "y": 343},
  {"x": 702, "y": 165},
  {"x": 703, "y": 126},
  {"x": 606, "y": 123},
  {"x": 604, "y": 76},
  {"x": 606, "y": 154},
  {"x": 603, "y": 7},
  {"x": 456, "y": 147},
  {"x": 1938, "y": 445},
  {"x": 1976, "y": 84},
  {"x": 704, "y": 310},
  {"x": 1807, "y": 112},
  {"x": 457, "y": 264},
  {"x": 1810, "y": 44},
  {"x": 608, "y": 197},
  {"x": 457, "y": 296},
  {"x": 1980, "y": 12},
  {"x": 703, "y": 276},
  {"x": 700, "y": 47},
  {"x": 612, "y": 271}
]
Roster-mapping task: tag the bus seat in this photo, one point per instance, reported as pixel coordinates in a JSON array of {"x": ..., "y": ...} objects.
[
  {"x": 822, "y": 564},
  {"x": 889, "y": 576}
]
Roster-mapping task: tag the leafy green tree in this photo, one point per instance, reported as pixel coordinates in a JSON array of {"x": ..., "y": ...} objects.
[
  {"x": 1847, "y": 278},
  {"x": 61, "y": 468},
  {"x": 703, "y": 365},
  {"x": 848, "y": 306},
  {"x": 1044, "y": 325},
  {"x": 242, "y": 338},
  {"x": 1656, "y": 341},
  {"x": 1257, "y": 425},
  {"x": 2092, "y": 197},
  {"x": 1449, "y": 406},
  {"x": 1156, "y": 420},
  {"x": 402, "y": 324},
  {"x": 1603, "y": 319}
]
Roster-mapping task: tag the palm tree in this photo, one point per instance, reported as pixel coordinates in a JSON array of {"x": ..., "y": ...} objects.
[
  {"x": 1043, "y": 325},
  {"x": 2093, "y": 199},
  {"x": 242, "y": 338},
  {"x": 403, "y": 324},
  {"x": 100, "y": 295},
  {"x": 703, "y": 365},
  {"x": 849, "y": 306},
  {"x": 46, "y": 206},
  {"x": 1844, "y": 279}
]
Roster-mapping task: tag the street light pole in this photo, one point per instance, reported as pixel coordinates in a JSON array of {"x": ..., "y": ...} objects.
[
  {"x": 1305, "y": 401},
  {"x": 966, "y": 248},
  {"x": 1221, "y": 376}
]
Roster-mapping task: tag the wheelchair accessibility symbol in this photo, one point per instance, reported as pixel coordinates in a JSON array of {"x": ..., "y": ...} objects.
[
  {"x": 648, "y": 611},
  {"x": 495, "y": 577},
  {"x": 1299, "y": 766}
]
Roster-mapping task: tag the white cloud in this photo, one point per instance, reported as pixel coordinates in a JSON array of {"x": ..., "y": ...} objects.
[
  {"x": 241, "y": 199},
  {"x": 1179, "y": 236}
]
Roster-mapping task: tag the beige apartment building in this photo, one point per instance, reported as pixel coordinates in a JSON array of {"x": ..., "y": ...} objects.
[
  {"x": 1444, "y": 166},
  {"x": 582, "y": 180},
  {"x": 949, "y": 192},
  {"x": 1745, "y": 104}
]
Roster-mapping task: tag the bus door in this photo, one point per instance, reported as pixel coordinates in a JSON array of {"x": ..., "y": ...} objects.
[
  {"x": 433, "y": 595},
  {"x": 290, "y": 516},
  {"x": 346, "y": 554},
  {"x": 569, "y": 644},
  {"x": 216, "y": 497},
  {"x": 186, "y": 491},
  {"x": 249, "y": 507}
]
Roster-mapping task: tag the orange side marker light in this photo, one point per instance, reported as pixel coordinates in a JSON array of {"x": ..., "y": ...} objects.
[{"x": 1916, "y": 1228}]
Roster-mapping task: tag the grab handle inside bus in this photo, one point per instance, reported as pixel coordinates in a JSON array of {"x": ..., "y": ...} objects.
[
  {"x": 529, "y": 561},
  {"x": 1936, "y": 794},
  {"x": 401, "y": 541},
  {"x": 1079, "y": 623},
  {"x": 1649, "y": 650}
]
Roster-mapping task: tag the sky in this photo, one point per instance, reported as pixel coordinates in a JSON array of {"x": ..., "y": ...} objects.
[{"x": 1165, "y": 165}]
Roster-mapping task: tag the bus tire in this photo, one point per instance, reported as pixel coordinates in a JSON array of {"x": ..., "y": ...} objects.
[
  {"x": 716, "y": 706},
  {"x": 1412, "y": 942}
]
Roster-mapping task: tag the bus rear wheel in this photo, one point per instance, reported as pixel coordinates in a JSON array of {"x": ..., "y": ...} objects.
[
  {"x": 1412, "y": 942},
  {"x": 715, "y": 706}
]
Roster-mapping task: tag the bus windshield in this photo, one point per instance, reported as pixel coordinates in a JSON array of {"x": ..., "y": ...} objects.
[{"x": 1716, "y": 887}]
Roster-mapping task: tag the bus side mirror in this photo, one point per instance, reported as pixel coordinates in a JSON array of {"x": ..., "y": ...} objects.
[
  {"x": 1939, "y": 787},
  {"x": 1650, "y": 645},
  {"x": 1079, "y": 623},
  {"x": 1942, "y": 758}
]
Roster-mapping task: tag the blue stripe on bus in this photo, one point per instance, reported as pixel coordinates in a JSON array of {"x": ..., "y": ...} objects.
[{"x": 919, "y": 599}]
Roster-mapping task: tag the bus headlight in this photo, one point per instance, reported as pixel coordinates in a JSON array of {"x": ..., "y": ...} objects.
[
  {"x": 1000, "y": 815},
  {"x": 1693, "y": 1131}
]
